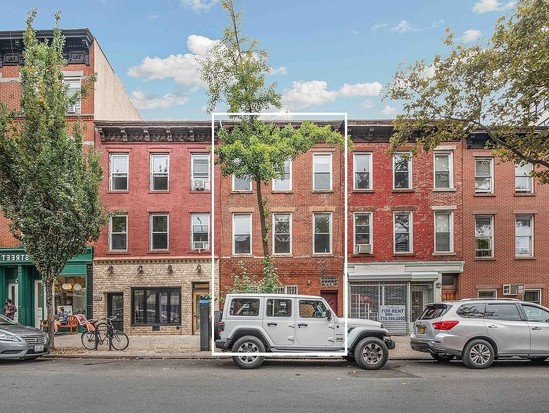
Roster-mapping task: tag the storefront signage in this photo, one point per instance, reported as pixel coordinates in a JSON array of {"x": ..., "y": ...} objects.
[
  {"x": 97, "y": 298},
  {"x": 392, "y": 313},
  {"x": 14, "y": 258}
]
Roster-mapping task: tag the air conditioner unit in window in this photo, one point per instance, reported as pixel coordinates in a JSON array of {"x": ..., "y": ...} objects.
[
  {"x": 513, "y": 289},
  {"x": 364, "y": 248},
  {"x": 199, "y": 184},
  {"x": 200, "y": 245}
]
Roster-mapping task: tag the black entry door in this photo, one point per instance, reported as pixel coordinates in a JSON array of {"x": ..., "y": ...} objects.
[{"x": 115, "y": 307}]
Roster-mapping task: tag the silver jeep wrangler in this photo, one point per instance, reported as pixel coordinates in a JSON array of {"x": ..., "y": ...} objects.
[{"x": 286, "y": 323}]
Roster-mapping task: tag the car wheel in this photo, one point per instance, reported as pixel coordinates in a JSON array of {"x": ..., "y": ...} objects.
[
  {"x": 538, "y": 360},
  {"x": 478, "y": 354},
  {"x": 247, "y": 345},
  {"x": 371, "y": 353},
  {"x": 442, "y": 357}
]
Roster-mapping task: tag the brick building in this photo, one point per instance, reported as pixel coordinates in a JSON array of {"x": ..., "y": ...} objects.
[{"x": 108, "y": 100}]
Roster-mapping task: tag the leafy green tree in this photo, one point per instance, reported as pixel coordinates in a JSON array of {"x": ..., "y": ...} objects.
[
  {"x": 501, "y": 90},
  {"x": 48, "y": 181},
  {"x": 234, "y": 72}
]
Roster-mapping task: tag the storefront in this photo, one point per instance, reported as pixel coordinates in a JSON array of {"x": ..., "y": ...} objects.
[
  {"x": 21, "y": 281},
  {"x": 396, "y": 293}
]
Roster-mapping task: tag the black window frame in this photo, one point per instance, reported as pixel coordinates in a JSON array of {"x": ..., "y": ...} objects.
[{"x": 157, "y": 291}]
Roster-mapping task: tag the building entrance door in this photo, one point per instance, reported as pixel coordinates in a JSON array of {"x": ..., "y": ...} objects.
[
  {"x": 13, "y": 293},
  {"x": 199, "y": 290},
  {"x": 331, "y": 298},
  {"x": 115, "y": 307}
]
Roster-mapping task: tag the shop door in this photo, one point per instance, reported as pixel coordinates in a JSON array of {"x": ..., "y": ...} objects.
[
  {"x": 115, "y": 307},
  {"x": 331, "y": 298},
  {"x": 199, "y": 290},
  {"x": 39, "y": 302},
  {"x": 13, "y": 293}
]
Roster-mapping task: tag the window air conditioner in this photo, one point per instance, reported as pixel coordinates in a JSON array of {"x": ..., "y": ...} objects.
[
  {"x": 513, "y": 289},
  {"x": 199, "y": 184},
  {"x": 364, "y": 248},
  {"x": 200, "y": 245}
]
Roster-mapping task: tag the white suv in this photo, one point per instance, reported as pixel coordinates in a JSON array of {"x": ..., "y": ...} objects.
[{"x": 286, "y": 323}]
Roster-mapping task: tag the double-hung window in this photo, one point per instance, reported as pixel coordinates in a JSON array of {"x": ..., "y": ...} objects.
[
  {"x": 74, "y": 85},
  {"x": 118, "y": 171},
  {"x": 243, "y": 184},
  {"x": 484, "y": 175},
  {"x": 444, "y": 234},
  {"x": 322, "y": 171},
  {"x": 402, "y": 232},
  {"x": 282, "y": 233},
  {"x": 523, "y": 180},
  {"x": 524, "y": 235},
  {"x": 160, "y": 167},
  {"x": 443, "y": 170},
  {"x": 200, "y": 232},
  {"x": 322, "y": 239},
  {"x": 242, "y": 233},
  {"x": 484, "y": 235},
  {"x": 200, "y": 173},
  {"x": 118, "y": 231},
  {"x": 362, "y": 171},
  {"x": 159, "y": 232},
  {"x": 363, "y": 231},
  {"x": 284, "y": 182},
  {"x": 402, "y": 171}
]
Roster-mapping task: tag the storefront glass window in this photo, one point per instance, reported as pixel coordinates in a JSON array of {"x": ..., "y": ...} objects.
[{"x": 70, "y": 292}]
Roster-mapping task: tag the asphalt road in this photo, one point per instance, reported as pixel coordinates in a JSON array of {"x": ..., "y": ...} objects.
[{"x": 84, "y": 385}]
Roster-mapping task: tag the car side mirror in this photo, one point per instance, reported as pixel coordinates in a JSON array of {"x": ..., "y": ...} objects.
[{"x": 328, "y": 315}]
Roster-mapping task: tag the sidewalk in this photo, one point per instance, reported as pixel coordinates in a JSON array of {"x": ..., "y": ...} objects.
[{"x": 180, "y": 347}]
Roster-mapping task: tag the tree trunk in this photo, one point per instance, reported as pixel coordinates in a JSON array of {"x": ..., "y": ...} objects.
[
  {"x": 262, "y": 219},
  {"x": 50, "y": 312}
]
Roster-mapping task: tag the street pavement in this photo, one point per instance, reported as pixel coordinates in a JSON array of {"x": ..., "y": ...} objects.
[{"x": 180, "y": 347}]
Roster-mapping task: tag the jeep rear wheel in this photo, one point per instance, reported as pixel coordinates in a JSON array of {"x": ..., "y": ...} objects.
[
  {"x": 248, "y": 345},
  {"x": 371, "y": 353}
]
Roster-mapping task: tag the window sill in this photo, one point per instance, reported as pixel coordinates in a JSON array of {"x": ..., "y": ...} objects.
[
  {"x": 282, "y": 191},
  {"x": 159, "y": 251},
  {"x": 156, "y": 192},
  {"x": 362, "y": 255},
  {"x": 126, "y": 191},
  {"x": 191, "y": 191},
  {"x": 444, "y": 189},
  {"x": 484, "y": 194},
  {"x": 322, "y": 254},
  {"x": 363, "y": 191},
  {"x": 322, "y": 191},
  {"x": 403, "y": 190},
  {"x": 403, "y": 254},
  {"x": 526, "y": 194},
  {"x": 121, "y": 252},
  {"x": 485, "y": 258},
  {"x": 448, "y": 253},
  {"x": 521, "y": 258},
  {"x": 289, "y": 255},
  {"x": 239, "y": 192}
]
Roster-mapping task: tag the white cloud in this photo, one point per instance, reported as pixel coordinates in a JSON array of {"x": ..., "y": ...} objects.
[
  {"x": 145, "y": 101},
  {"x": 471, "y": 35},
  {"x": 388, "y": 110},
  {"x": 483, "y": 6},
  {"x": 367, "y": 104},
  {"x": 303, "y": 94},
  {"x": 379, "y": 26},
  {"x": 402, "y": 27},
  {"x": 199, "y": 5},
  {"x": 278, "y": 71},
  {"x": 361, "y": 89}
]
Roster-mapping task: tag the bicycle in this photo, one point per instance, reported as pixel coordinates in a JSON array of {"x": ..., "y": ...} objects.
[{"x": 103, "y": 331}]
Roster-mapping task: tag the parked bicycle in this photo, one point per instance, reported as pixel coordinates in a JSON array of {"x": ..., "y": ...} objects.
[{"x": 104, "y": 333}]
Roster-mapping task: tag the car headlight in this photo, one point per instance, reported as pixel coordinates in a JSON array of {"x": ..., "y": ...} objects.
[{"x": 8, "y": 337}]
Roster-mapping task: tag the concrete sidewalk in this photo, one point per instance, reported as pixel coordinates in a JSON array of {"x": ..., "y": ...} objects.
[{"x": 179, "y": 347}]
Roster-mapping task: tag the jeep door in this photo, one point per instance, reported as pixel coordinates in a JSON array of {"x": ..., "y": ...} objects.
[
  {"x": 313, "y": 330},
  {"x": 278, "y": 322}
]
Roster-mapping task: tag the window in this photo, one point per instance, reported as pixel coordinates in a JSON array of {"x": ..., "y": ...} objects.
[
  {"x": 403, "y": 232},
  {"x": 444, "y": 232},
  {"x": 483, "y": 236},
  {"x": 443, "y": 171},
  {"x": 322, "y": 243},
  {"x": 282, "y": 233},
  {"x": 200, "y": 232},
  {"x": 242, "y": 234},
  {"x": 402, "y": 171},
  {"x": 244, "y": 307},
  {"x": 159, "y": 172},
  {"x": 287, "y": 289},
  {"x": 118, "y": 171},
  {"x": 242, "y": 184},
  {"x": 523, "y": 180},
  {"x": 284, "y": 182},
  {"x": 535, "y": 314},
  {"x": 156, "y": 305},
  {"x": 506, "y": 312},
  {"x": 484, "y": 171},
  {"x": 472, "y": 310},
  {"x": 74, "y": 88},
  {"x": 118, "y": 229},
  {"x": 159, "y": 232},
  {"x": 488, "y": 294},
  {"x": 363, "y": 170},
  {"x": 533, "y": 296},
  {"x": 312, "y": 309},
  {"x": 279, "y": 308},
  {"x": 362, "y": 233},
  {"x": 523, "y": 235},
  {"x": 200, "y": 173},
  {"x": 322, "y": 171}
]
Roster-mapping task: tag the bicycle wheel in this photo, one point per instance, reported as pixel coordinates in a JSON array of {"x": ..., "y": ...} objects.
[
  {"x": 102, "y": 330},
  {"x": 88, "y": 340},
  {"x": 119, "y": 340}
]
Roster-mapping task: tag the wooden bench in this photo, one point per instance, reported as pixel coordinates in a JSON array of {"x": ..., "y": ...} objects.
[{"x": 71, "y": 326}]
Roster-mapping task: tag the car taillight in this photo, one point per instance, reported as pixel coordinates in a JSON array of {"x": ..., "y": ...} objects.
[
  {"x": 221, "y": 326},
  {"x": 445, "y": 325}
]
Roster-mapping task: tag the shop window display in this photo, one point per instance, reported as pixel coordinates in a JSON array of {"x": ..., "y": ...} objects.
[{"x": 70, "y": 293}]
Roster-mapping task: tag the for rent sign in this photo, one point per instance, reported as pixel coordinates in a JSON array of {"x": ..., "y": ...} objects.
[{"x": 392, "y": 313}]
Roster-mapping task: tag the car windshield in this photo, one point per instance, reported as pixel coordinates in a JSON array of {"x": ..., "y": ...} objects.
[{"x": 4, "y": 321}]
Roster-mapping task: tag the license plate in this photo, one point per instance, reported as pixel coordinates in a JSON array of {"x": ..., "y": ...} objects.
[
  {"x": 38, "y": 348},
  {"x": 420, "y": 329}
]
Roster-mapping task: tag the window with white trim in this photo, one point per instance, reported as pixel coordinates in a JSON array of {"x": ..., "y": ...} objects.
[
  {"x": 242, "y": 233},
  {"x": 524, "y": 235},
  {"x": 243, "y": 184},
  {"x": 159, "y": 232},
  {"x": 322, "y": 237},
  {"x": 284, "y": 182},
  {"x": 282, "y": 233},
  {"x": 118, "y": 233},
  {"x": 74, "y": 88},
  {"x": 160, "y": 167},
  {"x": 444, "y": 231},
  {"x": 287, "y": 289},
  {"x": 533, "y": 296},
  {"x": 484, "y": 175},
  {"x": 363, "y": 232},
  {"x": 443, "y": 170},
  {"x": 487, "y": 294},
  {"x": 402, "y": 170},
  {"x": 200, "y": 232},
  {"x": 402, "y": 232},
  {"x": 200, "y": 172},
  {"x": 362, "y": 166},
  {"x": 118, "y": 171},
  {"x": 322, "y": 171},
  {"x": 484, "y": 234},
  {"x": 523, "y": 180}
]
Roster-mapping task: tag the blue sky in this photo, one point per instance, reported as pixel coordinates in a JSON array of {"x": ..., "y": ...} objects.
[{"x": 326, "y": 55}]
